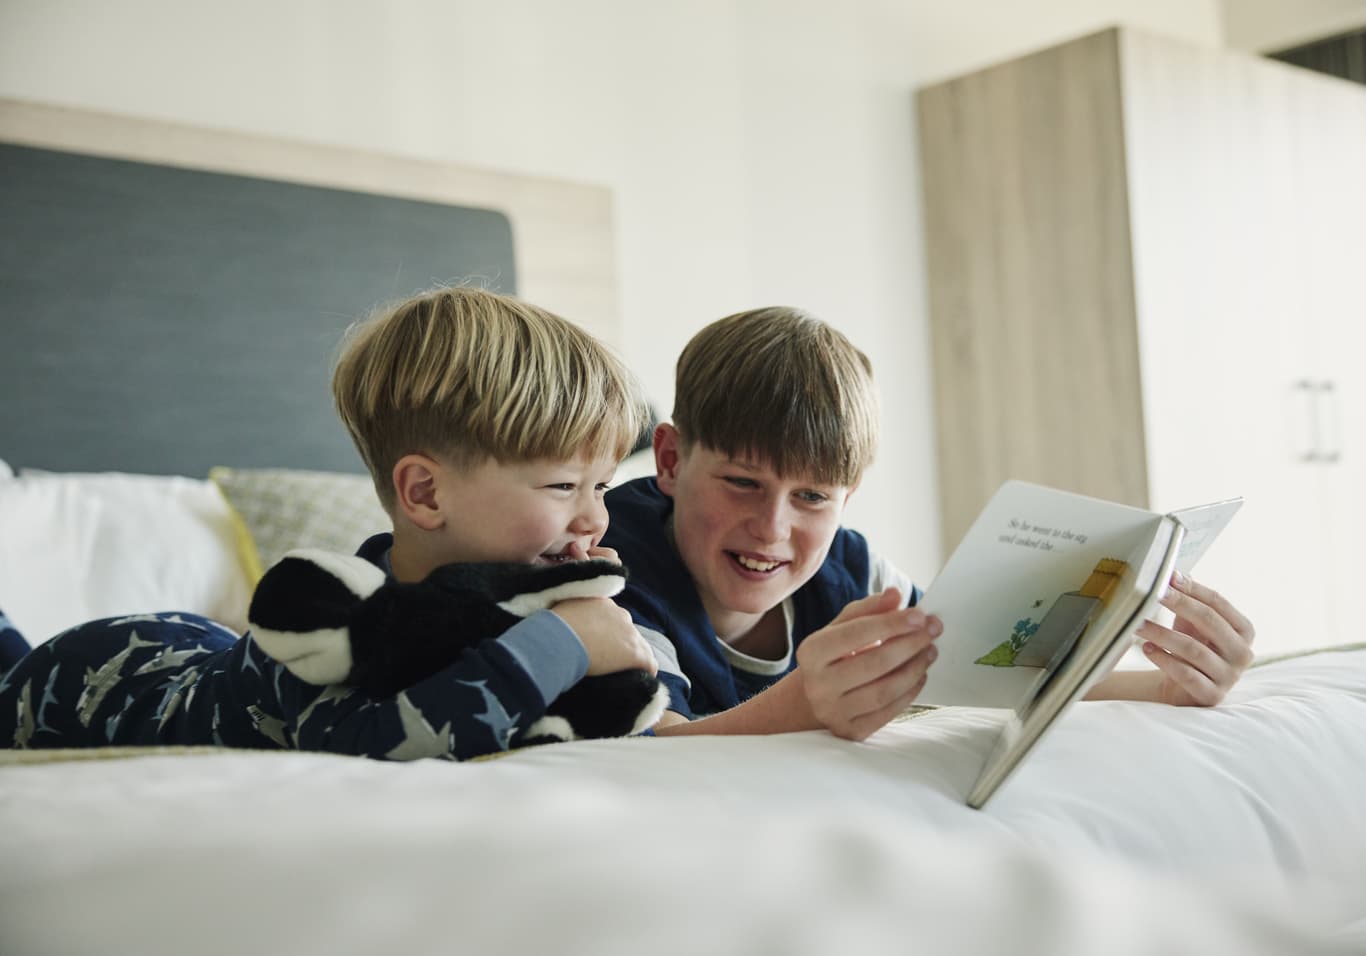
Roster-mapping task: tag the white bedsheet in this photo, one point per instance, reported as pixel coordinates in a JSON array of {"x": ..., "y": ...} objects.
[{"x": 1134, "y": 829}]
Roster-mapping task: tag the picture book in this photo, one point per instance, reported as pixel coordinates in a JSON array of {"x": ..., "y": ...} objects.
[{"x": 1041, "y": 598}]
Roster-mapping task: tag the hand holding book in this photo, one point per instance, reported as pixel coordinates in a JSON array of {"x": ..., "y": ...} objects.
[
  {"x": 1048, "y": 589},
  {"x": 1199, "y": 657},
  {"x": 867, "y": 665}
]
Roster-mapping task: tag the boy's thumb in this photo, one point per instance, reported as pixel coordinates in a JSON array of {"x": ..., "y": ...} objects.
[{"x": 887, "y": 600}]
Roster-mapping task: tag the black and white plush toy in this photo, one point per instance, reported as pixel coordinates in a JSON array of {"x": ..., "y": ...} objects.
[{"x": 336, "y": 619}]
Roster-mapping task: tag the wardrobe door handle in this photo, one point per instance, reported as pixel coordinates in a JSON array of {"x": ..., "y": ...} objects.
[
  {"x": 1309, "y": 392},
  {"x": 1330, "y": 412}
]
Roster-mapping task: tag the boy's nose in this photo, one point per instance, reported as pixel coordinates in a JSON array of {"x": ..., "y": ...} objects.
[
  {"x": 770, "y": 524},
  {"x": 591, "y": 519}
]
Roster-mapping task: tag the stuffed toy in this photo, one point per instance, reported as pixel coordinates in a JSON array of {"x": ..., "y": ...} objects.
[{"x": 337, "y": 619}]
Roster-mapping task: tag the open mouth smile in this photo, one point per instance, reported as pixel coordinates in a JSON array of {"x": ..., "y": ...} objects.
[{"x": 761, "y": 566}]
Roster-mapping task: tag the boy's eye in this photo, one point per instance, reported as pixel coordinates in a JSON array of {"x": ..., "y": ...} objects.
[
  {"x": 813, "y": 497},
  {"x": 739, "y": 482},
  {"x": 602, "y": 487},
  {"x": 562, "y": 486}
]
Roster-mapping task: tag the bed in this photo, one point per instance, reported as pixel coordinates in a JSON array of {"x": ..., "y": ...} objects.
[{"x": 1132, "y": 829}]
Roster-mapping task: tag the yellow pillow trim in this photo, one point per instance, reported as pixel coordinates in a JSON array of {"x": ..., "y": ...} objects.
[{"x": 247, "y": 551}]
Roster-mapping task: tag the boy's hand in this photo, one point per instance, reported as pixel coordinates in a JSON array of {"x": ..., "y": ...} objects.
[
  {"x": 1204, "y": 652},
  {"x": 867, "y": 665},
  {"x": 577, "y": 552},
  {"x": 608, "y": 635},
  {"x": 607, "y": 554}
]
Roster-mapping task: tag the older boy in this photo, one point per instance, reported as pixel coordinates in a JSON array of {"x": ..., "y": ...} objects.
[
  {"x": 491, "y": 429},
  {"x": 738, "y": 557}
]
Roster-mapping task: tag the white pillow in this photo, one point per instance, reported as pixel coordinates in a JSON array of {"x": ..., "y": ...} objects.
[{"x": 81, "y": 546}]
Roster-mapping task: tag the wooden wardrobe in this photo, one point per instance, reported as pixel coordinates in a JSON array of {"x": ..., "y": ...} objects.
[{"x": 1147, "y": 283}]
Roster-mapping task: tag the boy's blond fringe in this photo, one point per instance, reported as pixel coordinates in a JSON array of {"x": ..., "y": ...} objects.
[{"x": 464, "y": 374}]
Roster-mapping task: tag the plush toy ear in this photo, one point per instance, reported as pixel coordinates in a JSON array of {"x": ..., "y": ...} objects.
[{"x": 302, "y": 607}]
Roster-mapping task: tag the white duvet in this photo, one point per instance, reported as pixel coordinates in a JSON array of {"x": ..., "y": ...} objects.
[{"x": 1133, "y": 829}]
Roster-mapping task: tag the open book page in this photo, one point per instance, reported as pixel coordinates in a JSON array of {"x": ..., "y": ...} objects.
[
  {"x": 1088, "y": 663},
  {"x": 1202, "y": 525},
  {"x": 1038, "y": 569},
  {"x": 1136, "y": 599}
]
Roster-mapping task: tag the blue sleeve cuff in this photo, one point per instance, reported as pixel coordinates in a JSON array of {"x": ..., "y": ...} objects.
[{"x": 549, "y": 651}]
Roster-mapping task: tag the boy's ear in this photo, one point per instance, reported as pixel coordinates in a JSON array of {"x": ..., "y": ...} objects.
[
  {"x": 667, "y": 456},
  {"x": 415, "y": 479}
]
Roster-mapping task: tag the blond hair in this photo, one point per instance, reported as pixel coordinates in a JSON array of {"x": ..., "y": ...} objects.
[
  {"x": 781, "y": 386},
  {"x": 465, "y": 375}
]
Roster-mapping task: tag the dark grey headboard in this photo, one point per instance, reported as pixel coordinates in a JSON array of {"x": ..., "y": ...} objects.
[
  {"x": 138, "y": 297},
  {"x": 162, "y": 319}
]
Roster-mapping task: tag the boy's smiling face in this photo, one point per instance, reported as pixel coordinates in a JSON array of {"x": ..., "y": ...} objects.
[
  {"x": 748, "y": 536},
  {"x": 538, "y": 512}
]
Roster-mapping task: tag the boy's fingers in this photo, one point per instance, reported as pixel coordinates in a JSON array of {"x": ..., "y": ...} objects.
[
  {"x": 868, "y": 724},
  {"x": 1202, "y": 624},
  {"x": 898, "y": 692},
  {"x": 888, "y": 688},
  {"x": 851, "y": 636},
  {"x": 607, "y": 554},
  {"x": 1198, "y": 686},
  {"x": 1188, "y": 648},
  {"x": 1191, "y": 594},
  {"x": 887, "y": 600},
  {"x": 857, "y": 670}
]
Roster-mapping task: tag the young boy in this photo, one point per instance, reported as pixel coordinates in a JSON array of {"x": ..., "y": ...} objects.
[
  {"x": 738, "y": 557},
  {"x": 491, "y": 429}
]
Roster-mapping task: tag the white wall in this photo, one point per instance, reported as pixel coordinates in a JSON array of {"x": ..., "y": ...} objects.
[
  {"x": 760, "y": 151},
  {"x": 1262, "y": 26},
  {"x": 956, "y": 37}
]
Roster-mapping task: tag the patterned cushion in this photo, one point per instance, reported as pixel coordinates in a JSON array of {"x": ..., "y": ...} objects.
[{"x": 282, "y": 509}]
